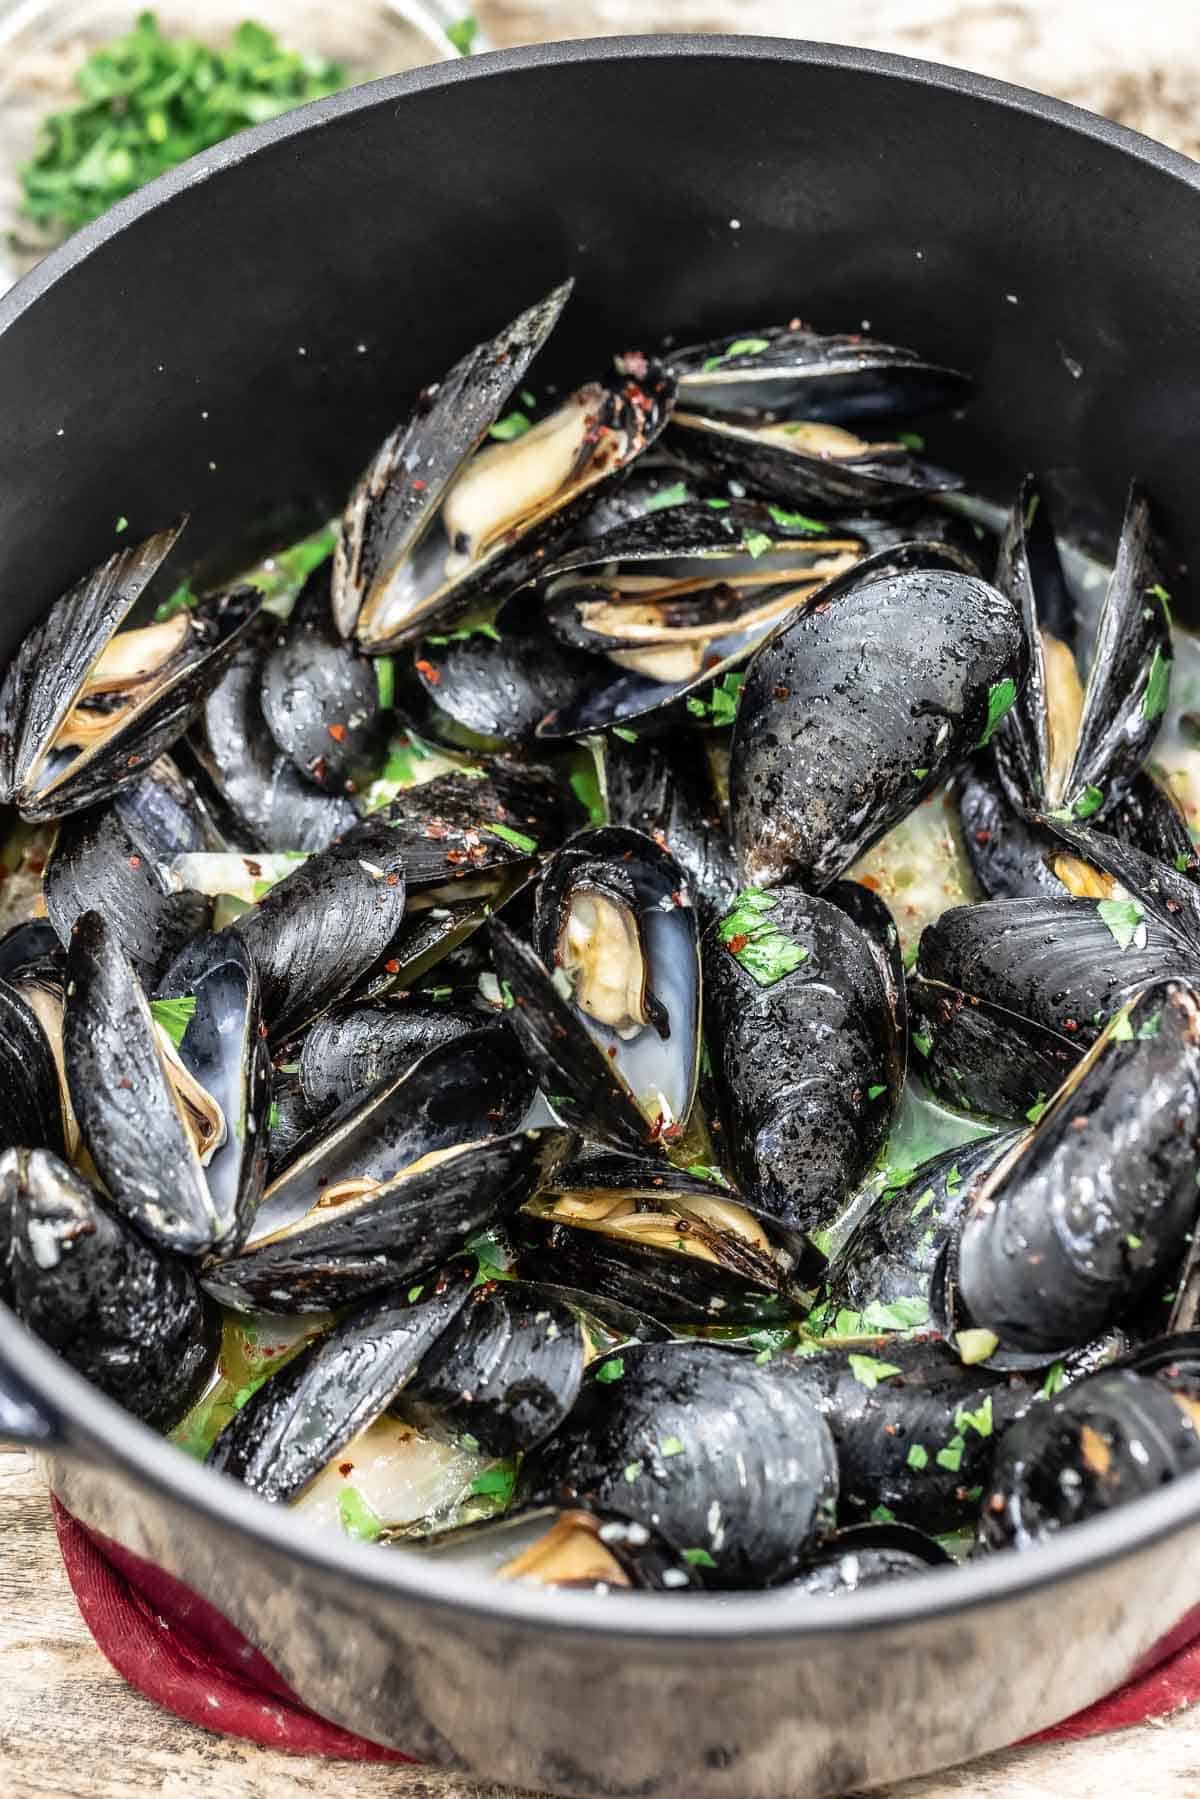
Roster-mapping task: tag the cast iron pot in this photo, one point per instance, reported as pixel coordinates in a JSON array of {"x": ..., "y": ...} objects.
[{"x": 233, "y": 342}]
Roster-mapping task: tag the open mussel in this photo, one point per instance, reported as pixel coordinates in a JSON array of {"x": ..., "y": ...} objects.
[
  {"x": 436, "y": 519},
  {"x": 86, "y": 707},
  {"x": 1099, "y": 1444},
  {"x": 807, "y": 1040},
  {"x": 1084, "y": 1214},
  {"x": 614, "y": 1030},
  {"x": 301, "y": 1417},
  {"x": 324, "y": 703},
  {"x": 674, "y": 1244},
  {"x": 855, "y": 710},
  {"x": 793, "y": 372},
  {"x": 124, "y": 1313},
  {"x": 392, "y": 1183},
  {"x": 266, "y": 803},
  {"x": 172, "y": 1099},
  {"x": 672, "y": 603},
  {"x": 730, "y": 1461}
]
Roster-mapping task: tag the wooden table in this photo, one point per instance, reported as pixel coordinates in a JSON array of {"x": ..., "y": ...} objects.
[{"x": 68, "y": 1724}]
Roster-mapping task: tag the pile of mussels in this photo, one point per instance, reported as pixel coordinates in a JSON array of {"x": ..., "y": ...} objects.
[{"x": 448, "y": 1078}]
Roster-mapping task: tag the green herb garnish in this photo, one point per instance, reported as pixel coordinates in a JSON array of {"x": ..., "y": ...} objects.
[
  {"x": 385, "y": 681},
  {"x": 463, "y": 32},
  {"x": 670, "y": 1446},
  {"x": 625, "y": 735},
  {"x": 518, "y": 839},
  {"x": 698, "y": 1558},
  {"x": 1122, "y": 918},
  {"x": 795, "y": 521},
  {"x": 756, "y": 543},
  {"x": 358, "y": 1519},
  {"x": 1055, "y": 1381},
  {"x": 922, "y": 1043},
  {"x": 917, "y": 1457},
  {"x": 874, "y": 1092},
  {"x": 632, "y": 1472},
  {"x": 1089, "y": 802},
  {"x": 741, "y": 346},
  {"x": 912, "y": 440},
  {"x": 496, "y": 1483},
  {"x": 149, "y": 102},
  {"x": 675, "y": 495},
  {"x": 1160, "y": 593},
  {"x": 611, "y": 1370},
  {"x": 1158, "y": 687},
  {"x": 721, "y": 706},
  {"x": 174, "y": 1015},
  {"x": 1001, "y": 695},
  {"x": 868, "y": 1370},
  {"x": 761, "y": 948},
  {"x": 951, "y": 1456},
  {"x": 980, "y": 1420},
  {"x": 513, "y": 424}
]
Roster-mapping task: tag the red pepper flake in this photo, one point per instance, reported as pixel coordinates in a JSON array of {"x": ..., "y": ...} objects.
[
  {"x": 821, "y": 606},
  {"x": 737, "y": 943},
  {"x": 671, "y": 1131},
  {"x": 612, "y": 1050},
  {"x": 1079, "y": 1124},
  {"x": 393, "y": 880},
  {"x": 1172, "y": 905},
  {"x": 436, "y": 831},
  {"x": 456, "y": 855},
  {"x": 657, "y": 1181},
  {"x": 418, "y": 486},
  {"x": 782, "y": 693},
  {"x": 126, "y": 1084},
  {"x": 983, "y": 836},
  {"x": 135, "y": 861},
  {"x": 318, "y": 768},
  {"x": 262, "y": 1030},
  {"x": 871, "y": 881},
  {"x": 392, "y": 967},
  {"x": 677, "y": 898},
  {"x": 996, "y": 1503},
  {"x": 890, "y": 1430},
  {"x": 345, "y": 1469},
  {"x": 1069, "y": 1024},
  {"x": 337, "y": 732},
  {"x": 253, "y": 868},
  {"x": 428, "y": 670}
]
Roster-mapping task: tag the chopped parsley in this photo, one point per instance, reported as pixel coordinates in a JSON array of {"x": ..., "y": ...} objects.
[
  {"x": 917, "y": 1457},
  {"x": 980, "y": 1420},
  {"x": 613, "y": 1369},
  {"x": 1035, "y": 500},
  {"x": 741, "y": 346},
  {"x": 518, "y": 839},
  {"x": 1001, "y": 695},
  {"x": 462, "y": 33},
  {"x": 874, "y": 1092},
  {"x": 122, "y": 524},
  {"x": 1055, "y": 1381},
  {"x": 513, "y": 424},
  {"x": 951, "y": 1456},
  {"x": 632, "y": 1472},
  {"x": 1037, "y": 1108},
  {"x": 868, "y": 1370},
  {"x": 1159, "y": 592},
  {"x": 762, "y": 949},
  {"x": 922, "y": 1043},
  {"x": 923, "y": 1204},
  {"x": 795, "y": 521},
  {"x": 414, "y": 1293},
  {"x": 273, "y": 1116},
  {"x": 704, "y": 1171},
  {"x": 358, "y": 1519},
  {"x": 1089, "y": 802},
  {"x": 624, "y": 734},
  {"x": 496, "y": 1483},
  {"x": 149, "y": 101},
  {"x": 883, "y": 1514},
  {"x": 675, "y": 495},
  {"x": 385, "y": 681},
  {"x": 1158, "y": 686},
  {"x": 670, "y": 1446},
  {"x": 756, "y": 543},
  {"x": 1123, "y": 918},
  {"x": 919, "y": 774},
  {"x": 174, "y": 1015},
  {"x": 480, "y": 627},
  {"x": 912, "y": 440},
  {"x": 718, "y": 505},
  {"x": 698, "y": 1558},
  {"x": 721, "y": 706}
]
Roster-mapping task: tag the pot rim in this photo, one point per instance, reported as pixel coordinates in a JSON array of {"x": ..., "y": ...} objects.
[{"x": 111, "y": 1440}]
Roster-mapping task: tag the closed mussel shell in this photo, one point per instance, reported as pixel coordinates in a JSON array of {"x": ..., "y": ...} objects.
[
  {"x": 868, "y": 1555},
  {"x": 1096, "y": 1204},
  {"x": 300, "y": 1418},
  {"x": 803, "y": 1030},
  {"x": 125, "y": 1314},
  {"x": 31, "y": 1114},
  {"x": 982, "y": 1058},
  {"x": 665, "y": 784},
  {"x": 352, "y": 1048},
  {"x": 731, "y": 1462},
  {"x": 855, "y": 710}
]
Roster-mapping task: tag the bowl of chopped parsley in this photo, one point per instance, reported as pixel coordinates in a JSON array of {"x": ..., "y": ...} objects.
[{"x": 96, "y": 100}]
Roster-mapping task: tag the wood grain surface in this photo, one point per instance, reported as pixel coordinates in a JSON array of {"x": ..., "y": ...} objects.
[{"x": 69, "y": 1725}]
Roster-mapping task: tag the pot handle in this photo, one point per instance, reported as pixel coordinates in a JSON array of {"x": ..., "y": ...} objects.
[{"x": 24, "y": 1416}]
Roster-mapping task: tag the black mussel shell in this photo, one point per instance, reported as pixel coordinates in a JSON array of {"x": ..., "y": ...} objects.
[
  {"x": 30, "y": 946},
  {"x": 300, "y": 1418},
  {"x": 125, "y": 1314},
  {"x": 320, "y": 929},
  {"x": 489, "y": 686},
  {"x": 507, "y": 1374},
  {"x": 915, "y": 1429},
  {"x": 647, "y": 1234},
  {"x": 730, "y": 1461},
  {"x": 353, "y": 1048},
  {"x": 1174, "y": 1360},
  {"x": 253, "y": 785},
  {"x": 129, "y": 722},
  {"x": 891, "y": 1254},
  {"x": 868, "y": 1555},
  {"x": 457, "y": 1093},
  {"x": 614, "y": 919},
  {"x": 1098, "y": 1445},
  {"x": 855, "y": 710},
  {"x": 1082, "y": 1216},
  {"x": 1165, "y": 894},
  {"x": 664, "y": 785},
  {"x": 609, "y": 1322},
  {"x": 1129, "y": 668},
  {"x": 100, "y": 864},
  {"x": 322, "y": 700},
  {"x": 391, "y": 1233},
  {"x": 290, "y": 1120},
  {"x": 806, "y": 461},
  {"x": 165, "y": 812},
  {"x": 1010, "y": 858},
  {"x": 485, "y": 826},
  {"x": 874, "y": 919},
  {"x": 31, "y": 1114},
  {"x": 981, "y": 1058},
  {"x": 1066, "y": 964},
  {"x": 125, "y": 1095},
  {"x": 396, "y": 504},
  {"x": 793, "y": 371},
  {"x": 803, "y": 1029}
]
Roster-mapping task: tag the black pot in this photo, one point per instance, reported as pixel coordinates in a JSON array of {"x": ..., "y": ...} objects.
[{"x": 233, "y": 342}]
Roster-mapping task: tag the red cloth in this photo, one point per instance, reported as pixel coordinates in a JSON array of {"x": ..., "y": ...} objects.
[{"x": 180, "y": 1652}]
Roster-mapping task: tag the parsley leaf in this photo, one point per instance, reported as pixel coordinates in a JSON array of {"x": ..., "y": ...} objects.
[
  {"x": 796, "y": 521},
  {"x": 1089, "y": 802},
  {"x": 764, "y": 951},
  {"x": 513, "y": 424},
  {"x": 1158, "y": 686},
  {"x": 868, "y": 1370},
  {"x": 722, "y": 704},
  {"x": 1122, "y": 918},
  {"x": 174, "y": 1015},
  {"x": 1001, "y": 695},
  {"x": 518, "y": 839},
  {"x": 358, "y": 1519}
]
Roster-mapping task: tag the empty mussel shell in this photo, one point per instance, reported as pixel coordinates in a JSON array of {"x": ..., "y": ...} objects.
[
  {"x": 300, "y": 1418},
  {"x": 807, "y": 1044},
  {"x": 1100, "y": 1444},
  {"x": 1082, "y": 1215},
  {"x": 730, "y": 1461},
  {"x": 173, "y": 1107},
  {"x": 86, "y": 707},
  {"x": 856, "y": 709},
  {"x": 124, "y": 1313},
  {"x": 791, "y": 371}
]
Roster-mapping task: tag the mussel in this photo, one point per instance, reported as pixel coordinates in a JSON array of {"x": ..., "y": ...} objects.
[
  {"x": 666, "y": 785},
  {"x": 31, "y": 1110},
  {"x": 868, "y": 1555},
  {"x": 855, "y": 710},
  {"x": 353, "y": 1048},
  {"x": 807, "y": 1039},
  {"x": 86, "y": 707},
  {"x": 126, "y": 1314},
  {"x": 436, "y": 519},
  {"x": 731, "y": 1462}
]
